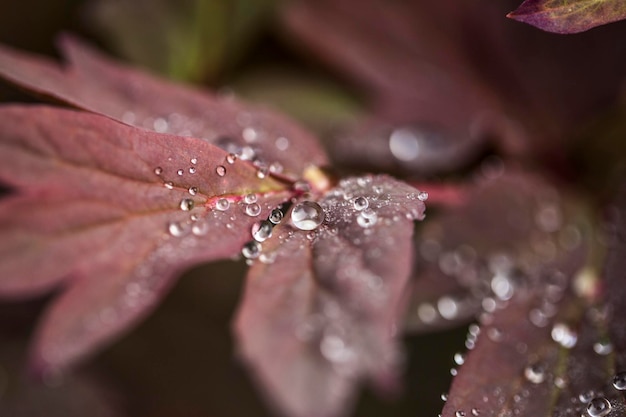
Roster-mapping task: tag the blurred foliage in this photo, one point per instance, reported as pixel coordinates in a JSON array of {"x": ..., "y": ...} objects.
[{"x": 191, "y": 40}]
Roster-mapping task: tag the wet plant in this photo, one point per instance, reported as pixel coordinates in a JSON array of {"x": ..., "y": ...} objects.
[{"x": 133, "y": 179}]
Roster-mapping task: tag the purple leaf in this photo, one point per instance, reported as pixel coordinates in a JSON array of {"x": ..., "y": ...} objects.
[
  {"x": 556, "y": 349},
  {"x": 321, "y": 307},
  {"x": 114, "y": 213},
  {"x": 510, "y": 225},
  {"x": 98, "y": 84},
  {"x": 569, "y": 16}
]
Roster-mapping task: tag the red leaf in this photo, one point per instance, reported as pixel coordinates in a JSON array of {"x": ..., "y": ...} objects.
[
  {"x": 321, "y": 308},
  {"x": 98, "y": 84},
  {"x": 569, "y": 16},
  {"x": 509, "y": 225},
  {"x": 103, "y": 208}
]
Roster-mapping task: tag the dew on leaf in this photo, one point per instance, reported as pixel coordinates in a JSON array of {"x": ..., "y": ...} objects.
[
  {"x": 262, "y": 231},
  {"x": 535, "y": 373},
  {"x": 231, "y": 158},
  {"x": 194, "y": 160},
  {"x": 251, "y": 250},
  {"x": 459, "y": 413},
  {"x": 175, "y": 229},
  {"x": 360, "y": 203},
  {"x": 158, "y": 170},
  {"x": 262, "y": 172},
  {"x": 194, "y": 217},
  {"x": 282, "y": 143},
  {"x": 250, "y": 198},
  {"x": 180, "y": 172},
  {"x": 276, "y": 216},
  {"x": 475, "y": 412},
  {"x": 444, "y": 397},
  {"x": 619, "y": 381},
  {"x": 247, "y": 153},
  {"x": 192, "y": 170},
  {"x": 422, "y": 196},
  {"x": 603, "y": 347},
  {"x": 599, "y": 407},
  {"x": 367, "y": 218},
  {"x": 586, "y": 397},
  {"x": 200, "y": 229},
  {"x": 220, "y": 170},
  {"x": 222, "y": 204},
  {"x": 193, "y": 190},
  {"x": 307, "y": 215},
  {"x": 459, "y": 358},
  {"x": 253, "y": 209},
  {"x": 564, "y": 335},
  {"x": 169, "y": 185},
  {"x": 186, "y": 204},
  {"x": 276, "y": 168},
  {"x": 404, "y": 144}
]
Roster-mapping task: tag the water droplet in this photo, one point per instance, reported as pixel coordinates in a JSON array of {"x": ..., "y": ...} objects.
[
  {"x": 282, "y": 143},
  {"x": 250, "y": 198},
  {"x": 459, "y": 358},
  {"x": 335, "y": 349},
  {"x": 599, "y": 407},
  {"x": 367, "y": 218},
  {"x": 276, "y": 168},
  {"x": 251, "y": 250},
  {"x": 276, "y": 216},
  {"x": 422, "y": 196},
  {"x": 404, "y": 144},
  {"x": 253, "y": 209},
  {"x": 564, "y": 335},
  {"x": 444, "y": 397},
  {"x": 459, "y": 413},
  {"x": 247, "y": 153},
  {"x": 535, "y": 373},
  {"x": 194, "y": 217},
  {"x": 249, "y": 135},
  {"x": 200, "y": 229},
  {"x": 475, "y": 412},
  {"x": 194, "y": 160},
  {"x": 158, "y": 170},
  {"x": 586, "y": 397},
  {"x": 169, "y": 185},
  {"x": 619, "y": 381},
  {"x": 603, "y": 347},
  {"x": 180, "y": 172},
  {"x": 231, "y": 158},
  {"x": 175, "y": 229},
  {"x": 222, "y": 204},
  {"x": 220, "y": 170},
  {"x": 262, "y": 231},
  {"x": 360, "y": 203},
  {"x": 193, "y": 190},
  {"x": 448, "y": 307},
  {"x": 186, "y": 204},
  {"x": 261, "y": 172},
  {"x": 307, "y": 215},
  {"x": 192, "y": 170}
]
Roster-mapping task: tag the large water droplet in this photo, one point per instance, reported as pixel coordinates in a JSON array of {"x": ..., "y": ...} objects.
[
  {"x": 404, "y": 144},
  {"x": 262, "y": 231},
  {"x": 599, "y": 407},
  {"x": 564, "y": 335},
  {"x": 367, "y": 218},
  {"x": 422, "y": 196},
  {"x": 186, "y": 204},
  {"x": 220, "y": 170},
  {"x": 253, "y": 209},
  {"x": 360, "y": 203},
  {"x": 459, "y": 358},
  {"x": 307, "y": 215},
  {"x": 222, "y": 204},
  {"x": 619, "y": 381},
  {"x": 251, "y": 250},
  {"x": 276, "y": 216}
]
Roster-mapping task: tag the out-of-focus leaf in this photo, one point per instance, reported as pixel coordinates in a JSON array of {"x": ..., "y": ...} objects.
[
  {"x": 321, "y": 308},
  {"x": 320, "y": 105},
  {"x": 115, "y": 213},
  {"x": 557, "y": 349},
  {"x": 473, "y": 256},
  {"x": 98, "y": 84},
  {"x": 188, "y": 40},
  {"x": 569, "y": 16},
  {"x": 458, "y": 68}
]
